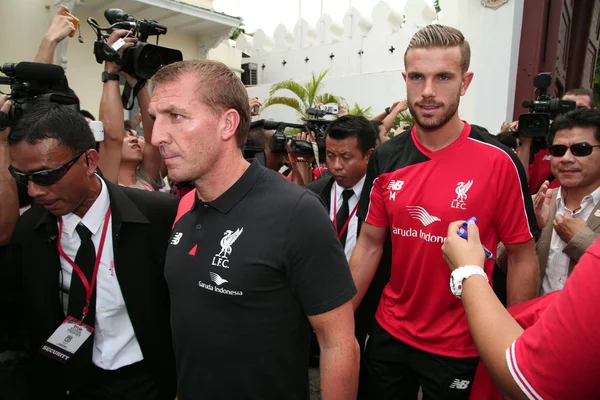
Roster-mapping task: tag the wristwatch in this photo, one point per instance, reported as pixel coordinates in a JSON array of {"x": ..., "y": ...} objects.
[
  {"x": 107, "y": 76},
  {"x": 462, "y": 273}
]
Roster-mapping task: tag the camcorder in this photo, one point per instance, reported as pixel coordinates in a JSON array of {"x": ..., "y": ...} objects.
[
  {"x": 34, "y": 83},
  {"x": 330, "y": 108},
  {"x": 142, "y": 60},
  {"x": 303, "y": 148},
  {"x": 536, "y": 123}
]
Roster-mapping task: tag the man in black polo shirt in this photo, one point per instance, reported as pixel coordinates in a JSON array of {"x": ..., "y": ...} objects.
[{"x": 254, "y": 263}]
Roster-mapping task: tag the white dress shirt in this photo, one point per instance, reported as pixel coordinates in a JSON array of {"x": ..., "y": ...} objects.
[
  {"x": 557, "y": 270},
  {"x": 336, "y": 192},
  {"x": 115, "y": 344}
]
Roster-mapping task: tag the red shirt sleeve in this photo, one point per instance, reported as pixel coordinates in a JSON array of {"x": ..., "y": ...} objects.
[
  {"x": 514, "y": 207},
  {"x": 559, "y": 357},
  {"x": 377, "y": 214}
]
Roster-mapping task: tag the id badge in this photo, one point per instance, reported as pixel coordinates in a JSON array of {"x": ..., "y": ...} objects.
[{"x": 66, "y": 340}]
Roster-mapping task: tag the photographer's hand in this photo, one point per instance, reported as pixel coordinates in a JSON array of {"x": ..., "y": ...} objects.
[
  {"x": 254, "y": 102},
  {"x": 61, "y": 26},
  {"x": 111, "y": 66},
  {"x": 301, "y": 166}
]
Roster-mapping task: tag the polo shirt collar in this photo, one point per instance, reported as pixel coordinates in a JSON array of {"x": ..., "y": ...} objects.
[{"x": 236, "y": 192}]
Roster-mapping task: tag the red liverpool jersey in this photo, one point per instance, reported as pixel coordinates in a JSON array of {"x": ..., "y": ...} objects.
[{"x": 417, "y": 193}]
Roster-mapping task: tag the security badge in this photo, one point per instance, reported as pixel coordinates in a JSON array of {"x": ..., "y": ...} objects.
[
  {"x": 597, "y": 213},
  {"x": 66, "y": 340}
]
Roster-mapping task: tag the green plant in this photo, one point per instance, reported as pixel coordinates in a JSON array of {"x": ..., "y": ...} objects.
[
  {"x": 238, "y": 31},
  {"x": 404, "y": 118},
  {"x": 307, "y": 95},
  {"x": 436, "y": 5},
  {"x": 358, "y": 110}
]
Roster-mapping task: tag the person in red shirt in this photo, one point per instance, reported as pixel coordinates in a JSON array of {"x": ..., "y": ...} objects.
[
  {"x": 441, "y": 170},
  {"x": 558, "y": 357}
]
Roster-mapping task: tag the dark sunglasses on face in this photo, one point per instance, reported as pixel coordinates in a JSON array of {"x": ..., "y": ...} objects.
[
  {"x": 45, "y": 177},
  {"x": 578, "y": 149}
]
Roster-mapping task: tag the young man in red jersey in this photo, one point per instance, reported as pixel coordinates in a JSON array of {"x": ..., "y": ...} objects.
[{"x": 440, "y": 171}]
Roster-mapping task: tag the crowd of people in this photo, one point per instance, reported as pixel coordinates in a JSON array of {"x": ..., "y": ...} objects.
[{"x": 368, "y": 261}]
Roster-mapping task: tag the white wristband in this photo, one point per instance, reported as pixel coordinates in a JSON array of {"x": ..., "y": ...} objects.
[{"x": 460, "y": 274}]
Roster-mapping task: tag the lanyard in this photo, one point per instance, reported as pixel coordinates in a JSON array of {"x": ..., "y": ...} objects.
[
  {"x": 89, "y": 286},
  {"x": 335, "y": 215}
]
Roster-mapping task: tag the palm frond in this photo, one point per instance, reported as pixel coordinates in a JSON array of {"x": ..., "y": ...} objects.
[
  {"x": 326, "y": 98},
  {"x": 314, "y": 86},
  {"x": 404, "y": 118},
  {"x": 293, "y": 86},
  {"x": 286, "y": 101},
  {"x": 358, "y": 110}
]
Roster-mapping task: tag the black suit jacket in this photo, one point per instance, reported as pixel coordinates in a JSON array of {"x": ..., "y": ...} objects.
[
  {"x": 29, "y": 288},
  {"x": 322, "y": 188},
  {"x": 364, "y": 315}
]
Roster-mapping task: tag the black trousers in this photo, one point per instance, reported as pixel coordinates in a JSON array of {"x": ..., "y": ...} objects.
[
  {"x": 393, "y": 370},
  {"x": 131, "y": 382}
]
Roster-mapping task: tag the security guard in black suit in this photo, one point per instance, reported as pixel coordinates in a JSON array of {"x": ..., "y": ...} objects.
[{"x": 52, "y": 152}]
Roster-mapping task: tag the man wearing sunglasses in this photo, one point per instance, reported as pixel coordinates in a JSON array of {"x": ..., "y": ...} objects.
[
  {"x": 92, "y": 253},
  {"x": 569, "y": 216}
]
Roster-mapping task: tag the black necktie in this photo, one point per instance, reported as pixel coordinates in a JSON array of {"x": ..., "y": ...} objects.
[
  {"x": 342, "y": 215},
  {"x": 85, "y": 260}
]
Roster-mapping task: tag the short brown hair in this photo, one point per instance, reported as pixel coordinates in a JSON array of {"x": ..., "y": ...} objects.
[
  {"x": 441, "y": 36},
  {"x": 221, "y": 89},
  {"x": 582, "y": 92}
]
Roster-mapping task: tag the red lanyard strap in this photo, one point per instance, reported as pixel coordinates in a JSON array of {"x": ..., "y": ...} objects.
[
  {"x": 89, "y": 286},
  {"x": 345, "y": 226}
]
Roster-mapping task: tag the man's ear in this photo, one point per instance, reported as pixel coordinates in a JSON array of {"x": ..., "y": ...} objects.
[
  {"x": 230, "y": 123},
  {"x": 91, "y": 158},
  {"x": 466, "y": 81}
]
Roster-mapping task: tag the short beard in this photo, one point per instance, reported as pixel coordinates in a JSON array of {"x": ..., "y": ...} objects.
[{"x": 430, "y": 123}]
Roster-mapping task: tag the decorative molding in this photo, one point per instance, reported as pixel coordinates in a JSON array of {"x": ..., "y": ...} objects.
[{"x": 493, "y": 4}]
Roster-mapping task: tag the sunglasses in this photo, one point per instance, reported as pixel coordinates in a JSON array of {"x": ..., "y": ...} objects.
[
  {"x": 46, "y": 177},
  {"x": 578, "y": 149}
]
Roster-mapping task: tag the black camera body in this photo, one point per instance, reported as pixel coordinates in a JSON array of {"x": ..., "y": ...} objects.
[
  {"x": 542, "y": 110},
  {"x": 34, "y": 83},
  {"x": 142, "y": 60},
  {"x": 302, "y": 148}
]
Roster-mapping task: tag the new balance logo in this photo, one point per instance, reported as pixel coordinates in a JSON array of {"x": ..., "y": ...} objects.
[
  {"x": 217, "y": 279},
  {"x": 422, "y": 215},
  {"x": 458, "y": 384},
  {"x": 395, "y": 185},
  {"x": 176, "y": 238}
]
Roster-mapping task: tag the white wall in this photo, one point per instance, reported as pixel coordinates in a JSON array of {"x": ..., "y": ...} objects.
[
  {"x": 228, "y": 54},
  {"x": 22, "y": 28},
  {"x": 375, "y": 78}
]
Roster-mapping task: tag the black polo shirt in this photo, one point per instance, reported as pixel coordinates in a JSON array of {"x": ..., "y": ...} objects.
[{"x": 244, "y": 271}]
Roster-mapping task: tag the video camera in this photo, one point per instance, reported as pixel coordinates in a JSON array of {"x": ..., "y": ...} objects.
[
  {"x": 300, "y": 147},
  {"x": 34, "y": 83},
  {"x": 142, "y": 60},
  {"x": 536, "y": 123}
]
